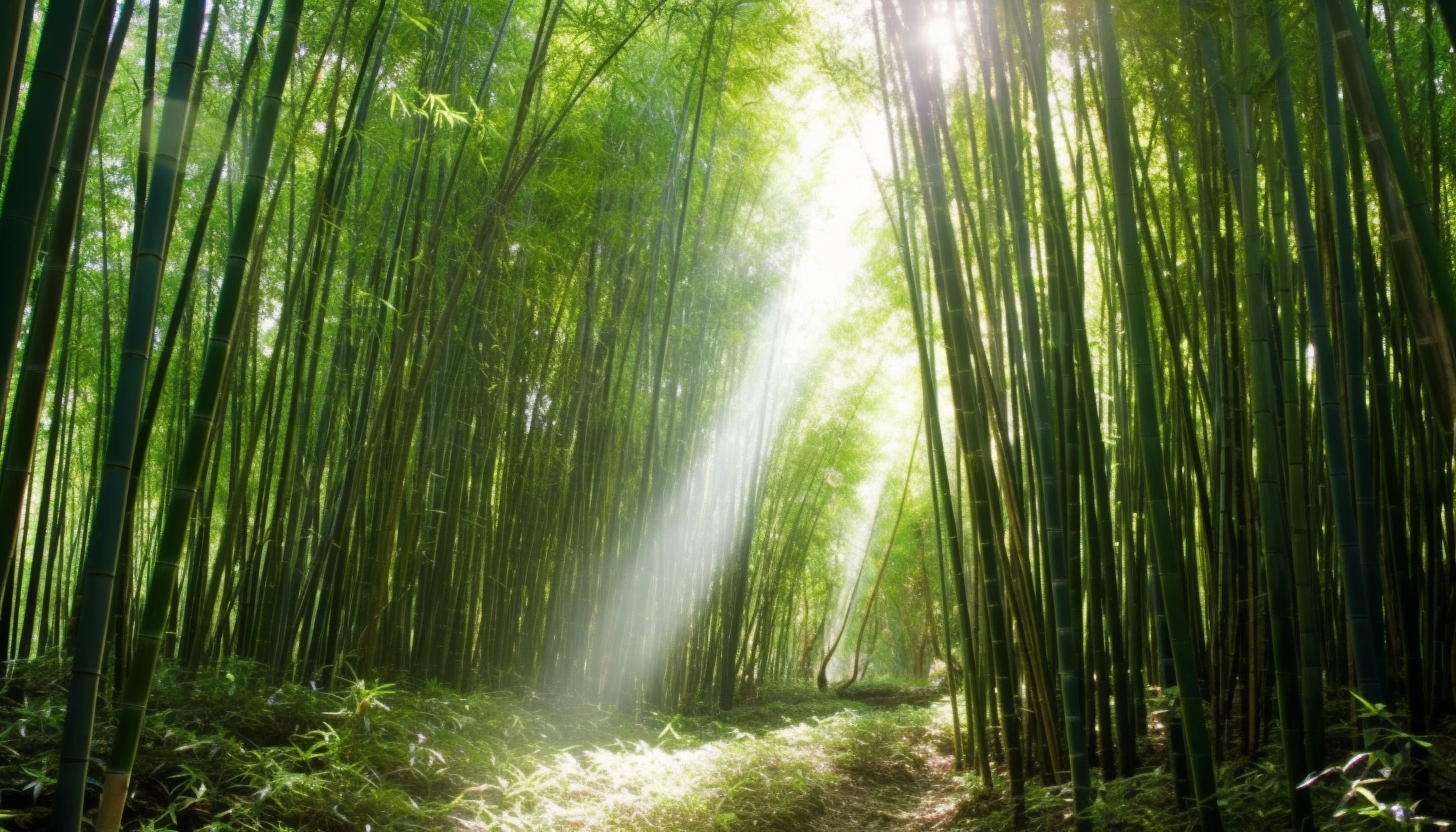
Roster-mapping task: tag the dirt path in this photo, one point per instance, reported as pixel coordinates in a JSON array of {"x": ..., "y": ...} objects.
[
  {"x": 932, "y": 800},
  {"x": 921, "y": 796}
]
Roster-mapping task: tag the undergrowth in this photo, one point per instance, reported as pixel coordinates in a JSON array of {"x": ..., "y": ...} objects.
[
  {"x": 225, "y": 750},
  {"x": 1252, "y": 798}
]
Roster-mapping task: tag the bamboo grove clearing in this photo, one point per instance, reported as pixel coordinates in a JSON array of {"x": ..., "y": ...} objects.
[{"x": 672, "y": 357}]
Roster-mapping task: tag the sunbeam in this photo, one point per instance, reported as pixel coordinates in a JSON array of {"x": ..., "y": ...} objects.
[{"x": 693, "y": 530}]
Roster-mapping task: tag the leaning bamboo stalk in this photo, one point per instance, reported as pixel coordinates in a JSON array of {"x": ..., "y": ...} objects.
[
  {"x": 172, "y": 543},
  {"x": 94, "y": 606},
  {"x": 22, "y": 429},
  {"x": 67, "y": 31},
  {"x": 1383, "y": 141}
]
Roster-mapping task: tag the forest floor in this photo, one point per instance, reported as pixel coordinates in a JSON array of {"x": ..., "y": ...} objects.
[{"x": 226, "y": 750}]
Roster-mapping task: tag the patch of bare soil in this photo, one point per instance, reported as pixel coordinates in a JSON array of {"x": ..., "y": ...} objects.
[{"x": 921, "y": 797}]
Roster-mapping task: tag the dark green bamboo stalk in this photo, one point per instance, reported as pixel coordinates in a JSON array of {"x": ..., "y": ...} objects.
[
  {"x": 1004, "y": 146},
  {"x": 1273, "y": 515},
  {"x": 1311, "y": 682},
  {"x": 14, "y": 20},
  {"x": 1135, "y": 309},
  {"x": 954, "y": 307},
  {"x": 1362, "y": 600},
  {"x": 1383, "y": 137},
  {"x": 22, "y": 429},
  {"x": 162, "y": 586},
  {"x": 94, "y": 607},
  {"x": 68, "y": 28}
]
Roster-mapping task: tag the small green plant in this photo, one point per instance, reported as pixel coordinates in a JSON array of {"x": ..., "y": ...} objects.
[{"x": 1373, "y": 777}]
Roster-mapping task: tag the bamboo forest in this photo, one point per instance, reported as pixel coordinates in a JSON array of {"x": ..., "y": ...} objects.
[{"x": 711, "y": 415}]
